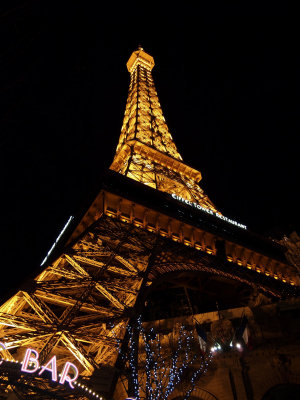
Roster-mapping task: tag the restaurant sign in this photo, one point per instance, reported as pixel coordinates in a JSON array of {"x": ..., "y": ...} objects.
[{"x": 208, "y": 211}]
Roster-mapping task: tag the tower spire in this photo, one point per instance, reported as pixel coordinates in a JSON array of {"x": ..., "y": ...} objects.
[{"x": 146, "y": 151}]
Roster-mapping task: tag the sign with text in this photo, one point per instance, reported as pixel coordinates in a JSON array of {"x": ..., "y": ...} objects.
[
  {"x": 31, "y": 364},
  {"x": 208, "y": 211}
]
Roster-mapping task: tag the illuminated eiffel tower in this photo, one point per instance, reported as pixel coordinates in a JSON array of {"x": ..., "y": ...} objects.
[
  {"x": 146, "y": 151},
  {"x": 150, "y": 219}
]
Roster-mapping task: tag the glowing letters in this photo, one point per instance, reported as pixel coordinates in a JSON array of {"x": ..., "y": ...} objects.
[
  {"x": 66, "y": 377},
  {"x": 52, "y": 369},
  {"x": 30, "y": 364},
  {"x": 208, "y": 211},
  {"x": 32, "y": 360},
  {"x": 31, "y": 357}
]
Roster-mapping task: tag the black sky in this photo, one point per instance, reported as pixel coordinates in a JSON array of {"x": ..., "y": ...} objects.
[{"x": 228, "y": 81}]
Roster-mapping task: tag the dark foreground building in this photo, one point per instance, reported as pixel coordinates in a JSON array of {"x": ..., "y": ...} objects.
[{"x": 152, "y": 262}]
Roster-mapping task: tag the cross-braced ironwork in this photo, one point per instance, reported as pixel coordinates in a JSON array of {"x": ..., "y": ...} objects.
[
  {"x": 68, "y": 309},
  {"x": 78, "y": 307},
  {"x": 146, "y": 151}
]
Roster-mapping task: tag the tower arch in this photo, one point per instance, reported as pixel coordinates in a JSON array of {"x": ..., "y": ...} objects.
[{"x": 193, "y": 292}]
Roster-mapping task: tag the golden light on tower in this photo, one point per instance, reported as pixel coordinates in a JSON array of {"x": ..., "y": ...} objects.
[
  {"x": 78, "y": 307},
  {"x": 146, "y": 151}
]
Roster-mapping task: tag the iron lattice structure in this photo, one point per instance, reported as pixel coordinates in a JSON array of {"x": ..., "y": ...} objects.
[
  {"x": 78, "y": 307},
  {"x": 146, "y": 151}
]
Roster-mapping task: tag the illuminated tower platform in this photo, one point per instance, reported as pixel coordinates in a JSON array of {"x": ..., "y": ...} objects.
[{"x": 152, "y": 242}]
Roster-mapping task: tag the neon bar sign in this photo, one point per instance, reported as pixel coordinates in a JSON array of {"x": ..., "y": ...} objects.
[
  {"x": 30, "y": 364},
  {"x": 208, "y": 211}
]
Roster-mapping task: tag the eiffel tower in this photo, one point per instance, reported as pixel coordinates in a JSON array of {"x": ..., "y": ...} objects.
[{"x": 150, "y": 220}]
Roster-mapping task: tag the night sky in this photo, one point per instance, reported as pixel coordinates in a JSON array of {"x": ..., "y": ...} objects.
[{"x": 228, "y": 82}]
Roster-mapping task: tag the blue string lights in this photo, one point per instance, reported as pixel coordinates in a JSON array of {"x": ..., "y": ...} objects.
[{"x": 155, "y": 363}]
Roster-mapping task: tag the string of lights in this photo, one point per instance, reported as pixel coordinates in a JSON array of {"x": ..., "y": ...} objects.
[{"x": 156, "y": 363}]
